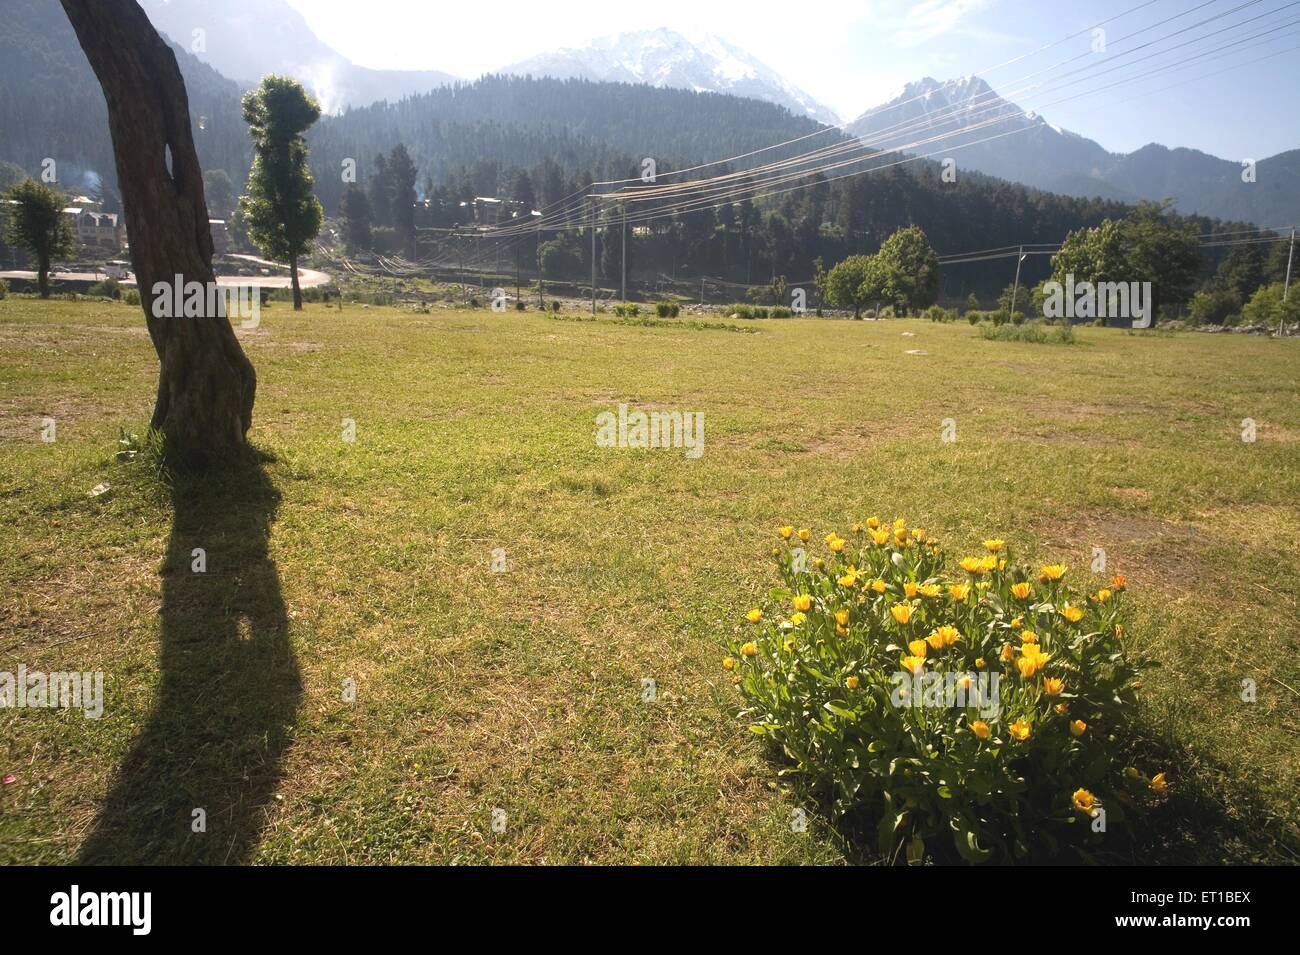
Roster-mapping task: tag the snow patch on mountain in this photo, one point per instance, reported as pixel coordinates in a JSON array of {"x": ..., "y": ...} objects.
[{"x": 666, "y": 58}]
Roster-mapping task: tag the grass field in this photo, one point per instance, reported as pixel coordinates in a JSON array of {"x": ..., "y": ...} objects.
[{"x": 522, "y": 691}]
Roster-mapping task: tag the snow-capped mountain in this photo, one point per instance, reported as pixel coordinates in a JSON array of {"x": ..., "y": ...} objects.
[
  {"x": 663, "y": 57},
  {"x": 984, "y": 132},
  {"x": 1026, "y": 148}
]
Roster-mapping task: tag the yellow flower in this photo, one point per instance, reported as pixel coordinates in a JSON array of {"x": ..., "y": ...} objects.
[
  {"x": 754, "y": 616},
  {"x": 916, "y": 648},
  {"x": 929, "y": 590},
  {"x": 788, "y": 646},
  {"x": 994, "y": 545},
  {"x": 1008, "y": 654},
  {"x": 1028, "y": 666},
  {"x": 1102, "y": 595},
  {"x": 913, "y": 664},
  {"x": 1071, "y": 613},
  {"x": 1077, "y": 728},
  {"x": 1028, "y": 636},
  {"x": 804, "y": 534},
  {"x": 972, "y": 565},
  {"x": 901, "y": 612},
  {"x": 979, "y": 663},
  {"x": 873, "y": 522},
  {"x": 959, "y": 591},
  {"x": 749, "y": 649},
  {"x": 842, "y": 617},
  {"x": 1083, "y": 800},
  {"x": 899, "y": 524},
  {"x": 851, "y": 683},
  {"x": 1158, "y": 783},
  {"x": 785, "y": 531},
  {"x": 797, "y": 619},
  {"x": 1061, "y": 709},
  {"x": 878, "y": 585},
  {"x": 1017, "y": 623},
  {"x": 919, "y": 535},
  {"x": 802, "y": 601},
  {"x": 1118, "y": 581},
  {"x": 981, "y": 729},
  {"x": 947, "y": 636},
  {"x": 909, "y": 589},
  {"x": 881, "y": 537},
  {"x": 1053, "y": 686},
  {"x": 728, "y": 663},
  {"x": 1052, "y": 572},
  {"x": 1021, "y": 590},
  {"x": 965, "y": 682},
  {"x": 1020, "y": 730},
  {"x": 837, "y": 544}
]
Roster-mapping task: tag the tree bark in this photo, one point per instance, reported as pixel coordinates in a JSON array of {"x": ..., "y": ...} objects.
[
  {"x": 43, "y": 275},
  {"x": 297, "y": 289},
  {"x": 206, "y": 383}
]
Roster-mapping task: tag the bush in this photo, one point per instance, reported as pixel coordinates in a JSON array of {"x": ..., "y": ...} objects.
[
  {"x": 937, "y": 313},
  {"x": 105, "y": 289},
  {"x": 976, "y": 706},
  {"x": 1033, "y": 332},
  {"x": 667, "y": 309},
  {"x": 1267, "y": 308},
  {"x": 627, "y": 310},
  {"x": 4, "y": 289},
  {"x": 555, "y": 306},
  {"x": 781, "y": 311},
  {"x": 520, "y": 306},
  {"x": 131, "y": 296},
  {"x": 743, "y": 310}
]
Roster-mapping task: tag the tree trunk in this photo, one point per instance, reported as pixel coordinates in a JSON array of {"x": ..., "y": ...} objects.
[
  {"x": 43, "y": 275},
  {"x": 206, "y": 383},
  {"x": 297, "y": 289}
]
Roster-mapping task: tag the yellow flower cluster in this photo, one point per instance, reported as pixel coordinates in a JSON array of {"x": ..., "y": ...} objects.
[{"x": 885, "y": 610}]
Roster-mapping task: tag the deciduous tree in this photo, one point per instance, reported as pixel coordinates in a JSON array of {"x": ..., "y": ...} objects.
[{"x": 34, "y": 220}]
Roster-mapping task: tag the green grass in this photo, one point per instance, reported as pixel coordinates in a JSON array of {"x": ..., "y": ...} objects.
[{"x": 522, "y": 690}]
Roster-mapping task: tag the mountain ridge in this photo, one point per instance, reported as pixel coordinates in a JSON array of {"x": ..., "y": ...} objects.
[
  {"x": 1027, "y": 149},
  {"x": 252, "y": 38},
  {"x": 667, "y": 58}
]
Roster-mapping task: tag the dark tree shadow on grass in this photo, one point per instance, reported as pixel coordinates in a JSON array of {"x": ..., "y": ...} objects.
[{"x": 229, "y": 687}]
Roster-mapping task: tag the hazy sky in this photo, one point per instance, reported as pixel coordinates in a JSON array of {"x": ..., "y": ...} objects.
[{"x": 853, "y": 54}]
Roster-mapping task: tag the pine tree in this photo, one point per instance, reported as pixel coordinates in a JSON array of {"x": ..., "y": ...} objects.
[{"x": 282, "y": 212}]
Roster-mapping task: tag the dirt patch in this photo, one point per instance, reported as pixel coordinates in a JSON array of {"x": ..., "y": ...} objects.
[{"x": 1139, "y": 546}]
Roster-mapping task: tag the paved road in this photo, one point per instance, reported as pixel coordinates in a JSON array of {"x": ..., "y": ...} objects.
[{"x": 307, "y": 278}]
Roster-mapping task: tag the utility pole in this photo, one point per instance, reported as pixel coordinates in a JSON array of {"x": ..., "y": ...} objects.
[
  {"x": 1015, "y": 291},
  {"x": 701, "y": 288},
  {"x": 623, "y": 212},
  {"x": 1286, "y": 288},
  {"x": 593, "y": 255},
  {"x": 541, "y": 299}
]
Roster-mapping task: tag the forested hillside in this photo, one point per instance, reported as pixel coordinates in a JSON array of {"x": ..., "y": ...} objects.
[{"x": 51, "y": 105}]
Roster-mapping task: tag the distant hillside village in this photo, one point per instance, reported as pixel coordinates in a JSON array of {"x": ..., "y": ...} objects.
[{"x": 100, "y": 232}]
